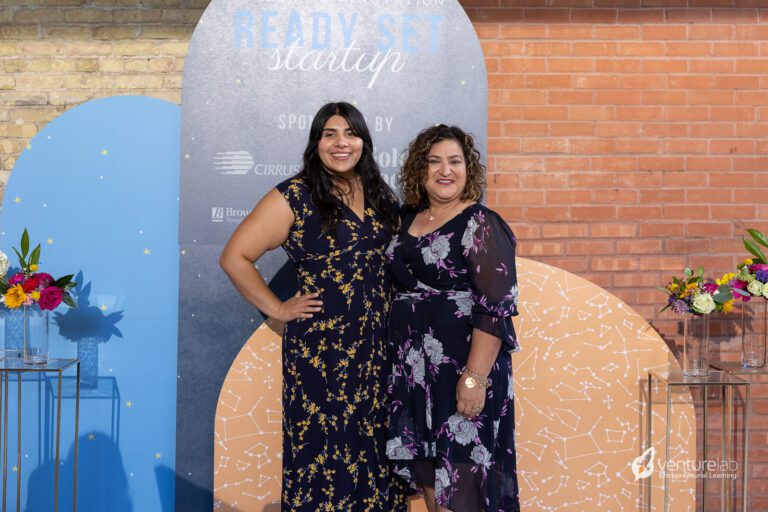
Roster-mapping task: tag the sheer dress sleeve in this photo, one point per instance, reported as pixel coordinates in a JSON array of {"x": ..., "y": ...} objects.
[{"x": 489, "y": 251}]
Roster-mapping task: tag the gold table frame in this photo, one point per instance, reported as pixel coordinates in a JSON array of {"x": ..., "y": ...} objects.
[
  {"x": 726, "y": 381},
  {"x": 17, "y": 366}
]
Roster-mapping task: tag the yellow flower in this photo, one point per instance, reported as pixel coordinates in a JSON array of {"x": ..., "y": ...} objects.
[
  {"x": 15, "y": 296},
  {"x": 748, "y": 261},
  {"x": 33, "y": 267},
  {"x": 728, "y": 306},
  {"x": 727, "y": 278},
  {"x": 36, "y": 295}
]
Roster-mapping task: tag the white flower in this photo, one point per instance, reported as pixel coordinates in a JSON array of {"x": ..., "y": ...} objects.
[
  {"x": 403, "y": 472},
  {"x": 390, "y": 252},
  {"x": 463, "y": 430},
  {"x": 468, "y": 239},
  {"x": 496, "y": 424},
  {"x": 442, "y": 481},
  {"x": 513, "y": 294},
  {"x": 396, "y": 450},
  {"x": 755, "y": 287},
  {"x": 481, "y": 456},
  {"x": 437, "y": 250},
  {"x": 433, "y": 348},
  {"x": 4, "y": 263},
  {"x": 429, "y": 411},
  {"x": 703, "y": 304},
  {"x": 765, "y": 291},
  {"x": 464, "y": 304},
  {"x": 415, "y": 359}
]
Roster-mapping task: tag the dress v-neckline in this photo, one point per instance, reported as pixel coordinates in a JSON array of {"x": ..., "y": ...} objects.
[
  {"x": 438, "y": 228},
  {"x": 358, "y": 218}
]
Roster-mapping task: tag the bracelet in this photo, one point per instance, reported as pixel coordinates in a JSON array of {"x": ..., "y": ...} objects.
[{"x": 483, "y": 381}]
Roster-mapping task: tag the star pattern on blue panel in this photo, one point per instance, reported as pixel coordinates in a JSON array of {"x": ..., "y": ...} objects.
[
  {"x": 147, "y": 252},
  {"x": 105, "y": 152}
]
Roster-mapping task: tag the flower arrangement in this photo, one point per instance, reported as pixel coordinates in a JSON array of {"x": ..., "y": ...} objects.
[
  {"x": 28, "y": 287},
  {"x": 751, "y": 278},
  {"x": 694, "y": 294}
]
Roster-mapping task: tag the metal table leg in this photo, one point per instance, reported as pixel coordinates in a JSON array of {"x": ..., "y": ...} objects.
[
  {"x": 5, "y": 436},
  {"x": 58, "y": 443},
  {"x": 77, "y": 428},
  {"x": 668, "y": 441}
]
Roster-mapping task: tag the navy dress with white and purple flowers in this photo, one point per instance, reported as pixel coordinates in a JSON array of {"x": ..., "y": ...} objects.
[{"x": 458, "y": 278}]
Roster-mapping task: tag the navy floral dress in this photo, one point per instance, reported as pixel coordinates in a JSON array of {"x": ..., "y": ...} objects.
[
  {"x": 334, "y": 365},
  {"x": 449, "y": 282}
]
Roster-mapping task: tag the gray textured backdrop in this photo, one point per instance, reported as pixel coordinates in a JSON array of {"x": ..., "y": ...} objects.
[{"x": 256, "y": 73}]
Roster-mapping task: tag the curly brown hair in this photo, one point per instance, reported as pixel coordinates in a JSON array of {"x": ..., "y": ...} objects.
[{"x": 414, "y": 171}]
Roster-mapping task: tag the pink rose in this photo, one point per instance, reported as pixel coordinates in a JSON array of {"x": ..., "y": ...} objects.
[
  {"x": 17, "y": 279},
  {"x": 50, "y": 298},
  {"x": 758, "y": 266},
  {"x": 710, "y": 287},
  {"x": 46, "y": 280},
  {"x": 741, "y": 285}
]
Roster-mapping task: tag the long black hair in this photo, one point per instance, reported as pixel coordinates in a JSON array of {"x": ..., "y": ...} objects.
[{"x": 323, "y": 184}]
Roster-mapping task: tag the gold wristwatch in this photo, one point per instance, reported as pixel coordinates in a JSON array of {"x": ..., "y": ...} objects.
[{"x": 474, "y": 379}]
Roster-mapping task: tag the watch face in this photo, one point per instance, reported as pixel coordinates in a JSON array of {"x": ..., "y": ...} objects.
[{"x": 470, "y": 382}]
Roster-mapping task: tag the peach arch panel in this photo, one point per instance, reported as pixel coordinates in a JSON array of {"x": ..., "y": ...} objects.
[{"x": 580, "y": 384}]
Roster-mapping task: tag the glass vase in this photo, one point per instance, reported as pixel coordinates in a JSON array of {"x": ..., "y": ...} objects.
[
  {"x": 35, "y": 335},
  {"x": 696, "y": 346},
  {"x": 754, "y": 323}
]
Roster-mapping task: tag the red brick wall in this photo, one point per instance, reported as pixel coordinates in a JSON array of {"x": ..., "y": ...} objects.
[{"x": 626, "y": 139}]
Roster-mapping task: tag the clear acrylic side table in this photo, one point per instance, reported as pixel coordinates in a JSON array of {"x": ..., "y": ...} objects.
[
  {"x": 57, "y": 367},
  {"x": 726, "y": 382}
]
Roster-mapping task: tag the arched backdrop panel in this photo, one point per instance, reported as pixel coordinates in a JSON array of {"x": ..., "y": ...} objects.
[
  {"x": 98, "y": 187},
  {"x": 580, "y": 384},
  {"x": 255, "y": 75}
]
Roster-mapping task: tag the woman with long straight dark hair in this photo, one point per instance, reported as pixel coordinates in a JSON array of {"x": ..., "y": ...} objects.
[{"x": 334, "y": 220}]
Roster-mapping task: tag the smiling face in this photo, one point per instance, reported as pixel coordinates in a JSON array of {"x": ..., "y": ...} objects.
[
  {"x": 339, "y": 148},
  {"x": 446, "y": 172}
]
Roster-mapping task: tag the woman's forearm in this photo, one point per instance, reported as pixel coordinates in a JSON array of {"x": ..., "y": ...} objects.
[
  {"x": 482, "y": 355},
  {"x": 251, "y": 285}
]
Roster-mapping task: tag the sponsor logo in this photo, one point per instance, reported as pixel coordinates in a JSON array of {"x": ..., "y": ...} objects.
[
  {"x": 233, "y": 162},
  {"x": 228, "y": 214}
]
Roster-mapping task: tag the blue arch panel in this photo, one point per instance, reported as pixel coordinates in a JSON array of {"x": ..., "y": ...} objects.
[{"x": 98, "y": 188}]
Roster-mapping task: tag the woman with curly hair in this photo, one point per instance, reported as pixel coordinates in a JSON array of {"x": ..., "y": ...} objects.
[{"x": 451, "y": 429}]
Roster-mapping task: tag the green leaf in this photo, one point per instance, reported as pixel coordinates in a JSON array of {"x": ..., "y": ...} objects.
[
  {"x": 67, "y": 299},
  {"x": 25, "y": 243},
  {"x": 63, "y": 281},
  {"x": 688, "y": 272},
  {"x": 700, "y": 271},
  {"x": 721, "y": 298},
  {"x": 664, "y": 290},
  {"x": 665, "y": 308},
  {"x": 741, "y": 292},
  {"x": 754, "y": 249},
  {"x": 22, "y": 262},
  {"x": 34, "y": 258},
  {"x": 758, "y": 237}
]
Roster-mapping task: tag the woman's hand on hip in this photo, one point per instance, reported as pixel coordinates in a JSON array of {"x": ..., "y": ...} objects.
[
  {"x": 469, "y": 402},
  {"x": 299, "y": 306}
]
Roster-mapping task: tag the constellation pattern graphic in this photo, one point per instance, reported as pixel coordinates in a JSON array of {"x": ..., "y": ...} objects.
[
  {"x": 248, "y": 450},
  {"x": 580, "y": 406},
  {"x": 581, "y": 384}
]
